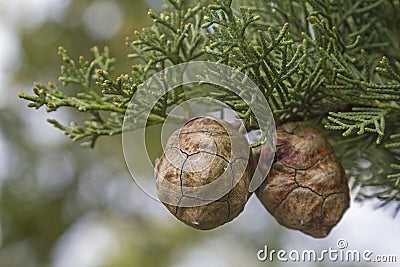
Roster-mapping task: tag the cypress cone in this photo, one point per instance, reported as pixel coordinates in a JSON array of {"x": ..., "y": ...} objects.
[
  {"x": 306, "y": 188},
  {"x": 205, "y": 151}
]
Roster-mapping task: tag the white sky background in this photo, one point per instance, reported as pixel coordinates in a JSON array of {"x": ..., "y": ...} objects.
[{"x": 362, "y": 226}]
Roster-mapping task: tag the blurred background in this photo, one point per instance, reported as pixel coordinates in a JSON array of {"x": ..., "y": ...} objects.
[{"x": 62, "y": 205}]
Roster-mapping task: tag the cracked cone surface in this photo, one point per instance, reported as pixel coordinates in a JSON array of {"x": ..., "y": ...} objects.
[
  {"x": 200, "y": 154},
  {"x": 306, "y": 188}
]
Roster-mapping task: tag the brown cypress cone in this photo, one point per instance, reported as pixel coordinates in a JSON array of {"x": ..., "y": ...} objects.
[
  {"x": 198, "y": 154},
  {"x": 306, "y": 188}
]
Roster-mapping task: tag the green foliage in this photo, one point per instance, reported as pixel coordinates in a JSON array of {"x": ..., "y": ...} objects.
[
  {"x": 174, "y": 38},
  {"x": 363, "y": 120},
  {"x": 105, "y": 116},
  {"x": 336, "y": 62}
]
